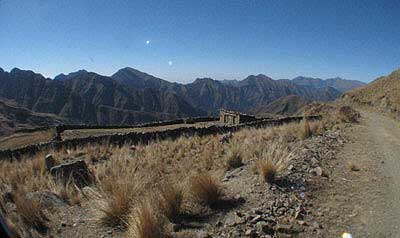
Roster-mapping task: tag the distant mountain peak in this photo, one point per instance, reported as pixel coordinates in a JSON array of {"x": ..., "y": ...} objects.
[
  {"x": 129, "y": 71},
  {"x": 138, "y": 79},
  {"x": 70, "y": 75},
  {"x": 199, "y": 80}
]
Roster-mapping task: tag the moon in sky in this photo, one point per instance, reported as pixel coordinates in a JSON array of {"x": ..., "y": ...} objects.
[
  {"x": 147, "y": 42},
  {"x": 170, "y": 63}
]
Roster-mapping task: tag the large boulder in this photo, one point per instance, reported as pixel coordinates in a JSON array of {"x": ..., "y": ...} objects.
[{"x": 75, "y": 171}]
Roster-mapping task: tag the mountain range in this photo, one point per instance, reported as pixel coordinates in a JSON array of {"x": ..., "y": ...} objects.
[{"x": 130, "y": 96}]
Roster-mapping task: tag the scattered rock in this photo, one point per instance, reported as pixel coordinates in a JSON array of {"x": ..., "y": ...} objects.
[
  {"x": 264, "y": 228},
  {"x": 317, "y": 171},
  {"x": 8, "y": 196},
  {"x": 233, "y": 219},
  {"x": 76, "y": 171},
  {"x": 284, "y": 228},
  {"x": 47, "y": 199}
]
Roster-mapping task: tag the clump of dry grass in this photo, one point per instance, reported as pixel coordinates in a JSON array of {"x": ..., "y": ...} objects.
[
  {"x": 145, "y": 223},
  {"x": 274, "y": 160},
  {"x": 31, "y": 213},
  {"x": 170, "y": 201},
  {"x": 305, "y": 130},
  {"x": 69, "y": 193},
  {"x": 318, "y": 127},
  {"x": 206, "y": 190},
  {"x": 233, "y": 157},
  {"x": 267, "y": 169},
  {"x": 121, "y": 198},
  {"x": 121, "y": 186},
  {"x": 347, "y": 114}
]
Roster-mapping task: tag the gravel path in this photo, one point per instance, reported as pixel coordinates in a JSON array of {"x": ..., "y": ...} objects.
[{"x": 365, "y": 203}]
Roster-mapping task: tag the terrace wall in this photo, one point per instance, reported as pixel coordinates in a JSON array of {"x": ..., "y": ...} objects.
[{"x": 121, "y": 139}]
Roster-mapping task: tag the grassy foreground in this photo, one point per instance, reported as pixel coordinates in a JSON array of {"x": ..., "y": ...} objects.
[{"x": 144, "y": 188}]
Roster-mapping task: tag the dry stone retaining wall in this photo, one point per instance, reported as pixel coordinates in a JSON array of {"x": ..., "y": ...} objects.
[{"x": 121, "y": 139}]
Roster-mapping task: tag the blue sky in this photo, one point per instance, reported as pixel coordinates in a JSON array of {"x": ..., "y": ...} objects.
[{"x": 227, "y": 39}]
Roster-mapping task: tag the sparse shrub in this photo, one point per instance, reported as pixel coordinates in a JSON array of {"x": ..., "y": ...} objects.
[
  {"x": 170, "y": 201},
  {"x": 267, "y": 169},
  {"x": 234, "y": 158},
  {"x": 206, "y": 190},
  {"x": 121, "y": 191},
  {"x": 318, "y": 127},
  {"x": 31, "y": 212},
  {"x": 305, "y": 130},
  {"x": 145, "y": 223},
  {"x": 69, "y": 193},
  {"x": 274, "y": 160},
  {"x": 117, "y": 206},
  {"x": 347, "y": 114}
]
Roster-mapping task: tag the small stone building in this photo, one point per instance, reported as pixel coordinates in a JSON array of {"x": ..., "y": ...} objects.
[{"x": 232, "y": 117}]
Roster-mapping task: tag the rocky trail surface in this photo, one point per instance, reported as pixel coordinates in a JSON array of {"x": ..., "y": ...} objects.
[{"x": 362, "y": 197}]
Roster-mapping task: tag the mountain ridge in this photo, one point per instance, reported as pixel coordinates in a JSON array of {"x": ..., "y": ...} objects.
[{"x": 92, "y": 98}]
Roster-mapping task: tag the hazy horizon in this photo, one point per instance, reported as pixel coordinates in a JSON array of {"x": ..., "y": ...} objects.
[{"x": 181, "y": 41}]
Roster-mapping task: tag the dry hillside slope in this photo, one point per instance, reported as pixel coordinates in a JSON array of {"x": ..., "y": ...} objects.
[{"x": 383, "y": 93}]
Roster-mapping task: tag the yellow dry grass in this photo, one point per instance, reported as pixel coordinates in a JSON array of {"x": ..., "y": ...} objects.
[
  {"x": 123, "y": 180},
  {"x": 145, "y": 223}
]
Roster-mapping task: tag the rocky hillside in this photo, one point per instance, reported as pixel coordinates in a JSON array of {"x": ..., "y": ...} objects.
[
  {"x": 288, "y": 105},
  {"x": 13, "y": 117},
  {"x": 382, "y": 93}
]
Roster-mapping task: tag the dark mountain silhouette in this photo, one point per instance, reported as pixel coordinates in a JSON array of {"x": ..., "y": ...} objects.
[
  {"x": 91, "y": 98},
  {"x": 139, "y": 80},
  {"x": 130, "y": 96},
  {"x": 210, "y": 95},
  {"x": 337, "y": 83}
]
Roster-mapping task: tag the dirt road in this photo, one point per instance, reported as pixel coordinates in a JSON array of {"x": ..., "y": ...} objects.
[{"x": 365, "y": 203}]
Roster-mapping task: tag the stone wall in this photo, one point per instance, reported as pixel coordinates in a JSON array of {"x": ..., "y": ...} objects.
[{"x": 121, "y": 139}]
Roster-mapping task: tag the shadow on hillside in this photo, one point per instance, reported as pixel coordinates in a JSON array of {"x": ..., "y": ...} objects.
[{"x": 197, "y": 220}]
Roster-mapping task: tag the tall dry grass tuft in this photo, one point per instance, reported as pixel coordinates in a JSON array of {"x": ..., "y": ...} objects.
[
  {"x": 347, "y": 114},
  {"x": 120, "y": 199},
  {"x": 305, "y": 130},
  {"x": 318, "y": 127},
  {"x": 31, "y": 212},
  {"x": 268, "y": 170},
  {"x": 170, "y": 201},
  {"x": 273, "y": 161},
  {"x": 233, "y": 157},
  {"x": 69, "y": 193},
  {"x": 145, "y": 223},
  {"x": 121, "y": 186},
  {"x": 206, "y": 190}
]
